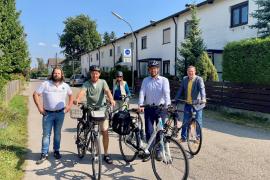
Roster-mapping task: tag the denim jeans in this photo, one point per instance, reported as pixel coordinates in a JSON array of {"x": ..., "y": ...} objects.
[
  {"x": 187, "y": 116},
  {"x": 52, "y": 120},
  {"x": 150, "y": 117}
]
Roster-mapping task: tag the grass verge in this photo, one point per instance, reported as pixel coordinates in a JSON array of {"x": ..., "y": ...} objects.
[
  {"x": 13, "y": 138},
  {"x": 239, "y": 118}
]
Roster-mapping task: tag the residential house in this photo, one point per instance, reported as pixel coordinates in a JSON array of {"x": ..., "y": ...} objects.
[
  {"x": 221, "y": 21},
  {"x": 54, "y": 62}
]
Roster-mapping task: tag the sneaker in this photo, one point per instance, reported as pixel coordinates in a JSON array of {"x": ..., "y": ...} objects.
[
  {"x": 146, "y": 157},
  {"x": 107, "y": 159},
  {"x": 57, "y": 155},
  {"x": 43, "y": 157}
]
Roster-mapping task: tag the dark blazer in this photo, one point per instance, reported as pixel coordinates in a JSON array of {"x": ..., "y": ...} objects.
[{"x": 197, "y": 92}]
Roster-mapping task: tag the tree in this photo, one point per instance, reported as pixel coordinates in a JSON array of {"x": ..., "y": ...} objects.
[
  {"x": 193, "y": 51},
  {"x": 107, "y": 38},
  {"x": 79, "y": 36},
  {"x": 263, "y": 18},
  {"x": 206, "y": 68},
  {"x": 42, "y": 70},
  {"x": 112, "y": 36},
  {"x": 15, "y": 58}
]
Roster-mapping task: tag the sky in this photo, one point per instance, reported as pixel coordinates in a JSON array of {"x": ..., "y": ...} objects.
[{"x": 43, "y": 19}]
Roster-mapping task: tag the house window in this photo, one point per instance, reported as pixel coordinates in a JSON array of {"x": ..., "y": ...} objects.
[
  {"x": 118, "y": 50},
  {"x": 110, "y": 52},
  {"x": 166, "y": 35},
  {"x": 166, "y": 67},
  {"x": 91, "y": 58},
  {"x": 187, "y": 28},
  {"x": 239, "y": 14},
  {"x": 144, "y": 42},
  {"x": 97, "y": 56}
]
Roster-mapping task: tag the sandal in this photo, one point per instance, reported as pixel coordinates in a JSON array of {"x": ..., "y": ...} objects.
[{"x": 107, "y": 159}]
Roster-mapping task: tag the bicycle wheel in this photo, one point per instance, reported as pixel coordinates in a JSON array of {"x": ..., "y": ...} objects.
[
  {"x": 126, "y": 144},
  {"x": 96, "y": 157},
  {"x": 194, "y": 137},
  {"x": 173, "y": 163},
  {"x": 80, "y": 140}
]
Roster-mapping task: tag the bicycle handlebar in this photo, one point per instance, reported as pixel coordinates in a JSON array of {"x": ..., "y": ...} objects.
[{"x": 194, "y": 102}]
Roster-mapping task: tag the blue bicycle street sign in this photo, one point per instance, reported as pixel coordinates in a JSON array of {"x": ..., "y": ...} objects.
[{"x": 127, "y": 52}]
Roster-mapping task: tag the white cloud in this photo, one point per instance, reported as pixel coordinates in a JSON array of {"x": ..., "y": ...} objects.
[
  {"x": 55, "y": 45},
  {"x": 41, "y": 44}
]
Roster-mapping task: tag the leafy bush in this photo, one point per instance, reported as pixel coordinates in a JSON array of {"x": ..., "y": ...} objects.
[{"x": 247, "y": 61}]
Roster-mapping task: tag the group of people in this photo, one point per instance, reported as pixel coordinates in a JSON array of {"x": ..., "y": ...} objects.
[{"x": 155, "y": 89}]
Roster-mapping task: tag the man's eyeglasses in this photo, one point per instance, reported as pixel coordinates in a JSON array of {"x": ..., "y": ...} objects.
[{"x": 119, "y": 76}]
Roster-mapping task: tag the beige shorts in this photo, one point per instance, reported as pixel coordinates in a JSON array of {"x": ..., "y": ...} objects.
[{"x": 104, "y": 125}]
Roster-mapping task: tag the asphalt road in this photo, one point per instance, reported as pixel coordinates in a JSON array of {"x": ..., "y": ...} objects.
[{"x": 229, "y": 151}]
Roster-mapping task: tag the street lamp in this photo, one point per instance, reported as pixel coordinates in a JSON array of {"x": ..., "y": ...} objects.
[{"x": 133, "y": 37}]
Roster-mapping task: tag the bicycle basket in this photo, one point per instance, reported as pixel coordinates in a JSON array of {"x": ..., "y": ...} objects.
[{"x": 76, "y": 113}]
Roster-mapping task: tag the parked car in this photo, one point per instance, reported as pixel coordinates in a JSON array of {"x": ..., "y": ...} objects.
[{"x": 77, "y": 80}]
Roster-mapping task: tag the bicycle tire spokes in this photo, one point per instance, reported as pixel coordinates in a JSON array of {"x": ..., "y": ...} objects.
[
  {"x": 173, "y": 163},
  {"x": 95, "y": 157},
  {"x": 194, "y": 137},
  {"x": 127, "y": 148},
  {"x": 80, "y": 140}
]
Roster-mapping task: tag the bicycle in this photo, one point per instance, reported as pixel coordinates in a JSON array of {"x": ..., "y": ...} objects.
[
  {"x": 88, "y": 135},
  {"x": 194, "y": 132},
  {"x": 171, "y": 151}
]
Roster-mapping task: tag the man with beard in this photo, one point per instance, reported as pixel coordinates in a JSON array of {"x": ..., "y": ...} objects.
[
  {"x": 95, "y": 90},
  {"x": 155, "y": 90},
  {"x": 54, "y": 93}
]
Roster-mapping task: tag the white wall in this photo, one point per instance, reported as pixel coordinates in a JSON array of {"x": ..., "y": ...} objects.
[
  {"x": 106, "y": 61},
  {"x": 124, "y": 43},
  {"x": 215, "y": 21},
  {"x": 155, "y": 47},
  {"x": 85, "y": 64}
]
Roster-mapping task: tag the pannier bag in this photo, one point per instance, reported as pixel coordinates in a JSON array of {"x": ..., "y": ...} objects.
[
  {"x": 98, "y": 115},
  {"x": 121, "y": 122}
]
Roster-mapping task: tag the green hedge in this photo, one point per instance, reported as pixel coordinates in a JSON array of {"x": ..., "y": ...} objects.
[{"x": 247, "y": 61}]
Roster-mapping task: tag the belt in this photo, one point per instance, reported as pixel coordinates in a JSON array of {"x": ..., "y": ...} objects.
[{"x": 57, "y": 111}]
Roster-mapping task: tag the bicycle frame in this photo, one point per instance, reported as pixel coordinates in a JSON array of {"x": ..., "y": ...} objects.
[
  {"x": 173, "y": 117},
  {"x": 164, "y": 150}
]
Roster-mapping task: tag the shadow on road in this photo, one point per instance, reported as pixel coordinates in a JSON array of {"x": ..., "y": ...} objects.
[
  {"x": 119, "y": 169},
  {"x": 235, "y": 129},
  {"x": 63, "y": 168},
  {"x": 60, "y": 169}
]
